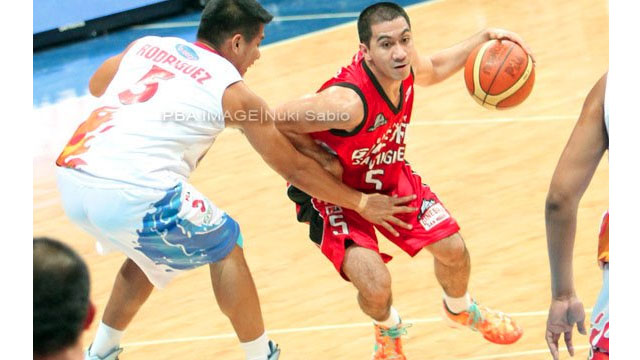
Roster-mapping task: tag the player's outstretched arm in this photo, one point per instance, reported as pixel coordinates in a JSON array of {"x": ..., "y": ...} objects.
[
  {"x": 300, "y": 170},
  {"x": 574, "y": 171},
  {"x": 429, "y": 70},
  {"x": 102, "y": 77}
]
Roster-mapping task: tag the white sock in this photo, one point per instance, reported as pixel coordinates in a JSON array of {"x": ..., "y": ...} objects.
[
  {"x": 257, "y": 349},
  {"x": 107, "y": 339},
  {"x": 392, "y": 320},
  {"x": 458, "y": 305}
]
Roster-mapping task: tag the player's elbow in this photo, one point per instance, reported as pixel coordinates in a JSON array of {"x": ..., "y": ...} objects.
[
  {"x": 298, "y": 174},
  {"x": 295, "y": 176},
  {"x": 96, "y": 88},
  {"x": 557, "y": 201}
]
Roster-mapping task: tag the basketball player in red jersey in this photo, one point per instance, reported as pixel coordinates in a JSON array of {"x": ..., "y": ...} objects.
[
  {"x": 360, "y": 117},
  {"x": 580, "y": 158}
]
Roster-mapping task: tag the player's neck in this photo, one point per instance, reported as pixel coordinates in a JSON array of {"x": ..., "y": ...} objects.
[
  {"x": 207, "y": 46},
  {"x": 390, "y": 86}
]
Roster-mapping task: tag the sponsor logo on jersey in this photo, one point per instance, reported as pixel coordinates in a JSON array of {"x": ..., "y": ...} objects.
[
  {"x": 187, "y": 52},
  {"x": 431, "y": 214},
  {"x": 380, "y": 120}
]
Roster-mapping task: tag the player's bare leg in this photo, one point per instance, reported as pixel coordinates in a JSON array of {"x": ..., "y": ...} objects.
[
  {"x": 237, "y": 298},
  {"x": 130, "y": 290},
  {"x": 237, "y": 295},
  {"x": 369, "y": 274},
  {"x": 452, "y": 266}
]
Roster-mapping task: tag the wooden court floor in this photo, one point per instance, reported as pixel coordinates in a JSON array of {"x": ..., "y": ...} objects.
[{"x": 491, "y": 168}]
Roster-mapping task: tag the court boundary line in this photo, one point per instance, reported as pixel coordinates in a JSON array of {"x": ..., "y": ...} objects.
[
  {"x": 316, "y": 328},
  {"x": 517, "y": 353},
  {"x": 494, "y": 120}
]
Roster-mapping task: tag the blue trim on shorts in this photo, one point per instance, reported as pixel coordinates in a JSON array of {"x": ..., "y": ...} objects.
[
  {"x": 240, "y": 241},
  {"x": 178, "y": 243}
]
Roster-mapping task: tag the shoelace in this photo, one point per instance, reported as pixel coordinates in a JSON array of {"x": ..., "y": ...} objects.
[
  {"x": 396, "y": 331},
  {"x": 476, "y": 315}
]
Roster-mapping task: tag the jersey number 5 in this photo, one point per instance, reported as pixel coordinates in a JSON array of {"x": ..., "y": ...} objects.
[
  {"x": 145, "y": 87},
  {"x": 371, "y": 180}
]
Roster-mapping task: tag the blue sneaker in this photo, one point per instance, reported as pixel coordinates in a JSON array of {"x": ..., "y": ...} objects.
[
  {"x": 275, "y": 351},
  {"x": 113, "y": 355}
]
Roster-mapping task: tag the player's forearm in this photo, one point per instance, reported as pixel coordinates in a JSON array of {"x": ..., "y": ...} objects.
[
  {"x": 309, "y": 177},
  {"x": 560, "y": 219},
  {"x": 306, "y": 146},
  {"x": 449, "y": 61}
]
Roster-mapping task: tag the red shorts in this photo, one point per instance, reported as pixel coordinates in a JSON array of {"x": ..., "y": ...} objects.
[
  {"x": 598, "y": 355},
  {"x": 334, "y": 229}
]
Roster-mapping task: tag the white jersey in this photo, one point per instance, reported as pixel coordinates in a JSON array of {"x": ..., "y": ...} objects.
[{"x": 159, "y": 116}]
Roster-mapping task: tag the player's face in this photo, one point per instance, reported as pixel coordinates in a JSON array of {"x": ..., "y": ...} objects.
[
  {"x": 391, "y": 48},
  {"x": 250, "y": 52}
]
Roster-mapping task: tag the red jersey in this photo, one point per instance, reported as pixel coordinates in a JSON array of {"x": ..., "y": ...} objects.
[{"x": 372, "y": 154}]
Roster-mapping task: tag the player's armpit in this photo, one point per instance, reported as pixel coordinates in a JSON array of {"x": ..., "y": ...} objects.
[
  {"x": 336, "y": 107},
  {"x": 101, "y": 79}
]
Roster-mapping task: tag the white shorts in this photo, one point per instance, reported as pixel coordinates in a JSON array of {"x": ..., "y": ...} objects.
[{"x": 165, "y": 232}]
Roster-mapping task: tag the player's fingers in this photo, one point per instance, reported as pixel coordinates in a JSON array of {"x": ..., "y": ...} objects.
[
  {"x": 517, "y": 39},
  {"x": 402, "y": 200},
  {"x": 403, "y": 209},
  {"x": 581, "y": 329},
  {"x": 389, "y": 228},
  {"x": 552, "y": 343},
  {"x": 568, "y": 339},
  {"x": 396, "y": 221}
]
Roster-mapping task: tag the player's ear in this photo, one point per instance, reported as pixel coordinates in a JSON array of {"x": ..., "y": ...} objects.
[
  {"x": 236, "y": 39},
  {"x": 365, "y": 51}
]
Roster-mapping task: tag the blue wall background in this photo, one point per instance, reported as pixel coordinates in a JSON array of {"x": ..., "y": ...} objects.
[{"x": 64, "y": 71}]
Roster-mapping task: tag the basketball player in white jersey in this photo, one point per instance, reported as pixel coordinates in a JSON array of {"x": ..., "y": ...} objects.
[
  {"x": 580, "y": 158},
  {"x": 123, "y": 175}
]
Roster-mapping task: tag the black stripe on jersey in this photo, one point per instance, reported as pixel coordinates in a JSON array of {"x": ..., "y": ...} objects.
[
  {"x": 384, "y": 96},
  {"x": 345, "y": 133}
]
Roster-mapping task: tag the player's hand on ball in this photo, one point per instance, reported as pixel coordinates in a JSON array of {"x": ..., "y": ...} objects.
[
  {"x": 501, "y": 34},
  {"x": 380, "y": 209},
  {"x": 563, "y": 314}
]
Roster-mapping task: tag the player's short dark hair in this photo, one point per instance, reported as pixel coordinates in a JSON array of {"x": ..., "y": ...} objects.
[
  {"x": 375, "y": 14},
  {"x": 60, "y": 296},
  {"x": 224, "y": 18}
]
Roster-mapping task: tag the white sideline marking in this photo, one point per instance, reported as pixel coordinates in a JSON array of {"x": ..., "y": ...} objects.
[
  {"x": 311, "y": 329},
  {"x": 494, "y": 121},
  {"x": 519, "y": 353}
]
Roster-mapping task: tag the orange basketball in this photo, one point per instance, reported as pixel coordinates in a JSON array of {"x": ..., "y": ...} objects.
[{"x": 499, "y": 74}]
